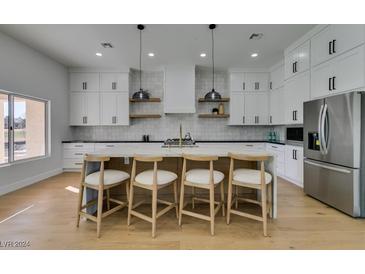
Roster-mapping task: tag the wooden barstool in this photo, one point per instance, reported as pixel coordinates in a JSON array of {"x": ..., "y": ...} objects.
[
  {"x": 250, "y": 178},
  {"x": 205, "y": 179},
  {"x": 104, "y": 179},
  {"x": 153, "y": 180}
]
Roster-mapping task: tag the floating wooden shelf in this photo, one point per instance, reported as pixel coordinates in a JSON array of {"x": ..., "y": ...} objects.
[
  {"x": 203, "y": 100},
  {"x": 141, "y": 116},
  {"x": 151, "y": 100},
  {"x": 210, "y": 115}
]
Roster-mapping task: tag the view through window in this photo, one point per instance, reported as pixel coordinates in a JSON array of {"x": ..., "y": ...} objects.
[{"x": 28, "y": 128}]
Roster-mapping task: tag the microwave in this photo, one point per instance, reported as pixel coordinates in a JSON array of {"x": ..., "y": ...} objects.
[{"x": 294, "y": 134}]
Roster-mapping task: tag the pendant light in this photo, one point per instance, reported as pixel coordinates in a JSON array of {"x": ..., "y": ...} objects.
[
  {"x": 141, "y": 94},
  {"x": 212, "y": 95}
]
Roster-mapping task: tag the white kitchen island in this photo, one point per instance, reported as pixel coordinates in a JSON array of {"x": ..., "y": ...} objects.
[{"x": 127, "y": 150}]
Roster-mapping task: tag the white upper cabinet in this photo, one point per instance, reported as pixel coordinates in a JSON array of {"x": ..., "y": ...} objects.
[
  {"x": 277, "y": 111},
  {"x": 85, "y": 82},
  {"x": 114, "y": 109},
  {"x": 256, "y": 108},
  {"x": 297, "y": 60},
  {"x": 335, "y": 40},
  {"x": 237, "y": 81},
  {"x": 256, "y": 81},
  {"x": 343, "y": 73},
  {"x": 84, "y": 109},
  {"x": 277, "y": 77},
  {"x": 114, "y": 82},
  {"x": 237, "y": 108},
  {"x": 296, "y": 92},
  {"x": 179, "y": 94}
]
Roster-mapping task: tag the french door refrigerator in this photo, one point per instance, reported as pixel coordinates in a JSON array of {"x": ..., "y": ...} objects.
[{"x": 334, "y": 152}]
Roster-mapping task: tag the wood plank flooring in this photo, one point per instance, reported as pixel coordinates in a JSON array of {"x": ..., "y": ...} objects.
[{"x": 303, "y": 223}]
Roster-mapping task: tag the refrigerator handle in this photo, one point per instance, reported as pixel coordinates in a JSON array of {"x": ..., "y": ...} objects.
[
  {"x": 320, "y": 129},
  {"x": 342, "y": 170},
  {"x": 323, "y": 121}
]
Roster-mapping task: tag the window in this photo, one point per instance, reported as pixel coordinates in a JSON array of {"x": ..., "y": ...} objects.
[{"x": 23, "y": 127}]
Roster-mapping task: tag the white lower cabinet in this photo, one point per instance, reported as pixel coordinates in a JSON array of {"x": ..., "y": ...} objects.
[
  {"x": 294, "y": 164},
  {"x": 114, "y": 109},
  {"x": 279, "y": 151},
  {"x": 256, "y": 108},
  {"x": 73, "y": 154},
  {"x": 84, "y": 109}
]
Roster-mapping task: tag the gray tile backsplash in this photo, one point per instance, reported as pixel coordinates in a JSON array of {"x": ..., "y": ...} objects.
[{"x": 168, "y": 125}]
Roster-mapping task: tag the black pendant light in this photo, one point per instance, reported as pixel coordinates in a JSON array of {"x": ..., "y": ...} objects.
[
  {"x": 212, "y": 95},
  {"x": 141, "y": 94}
]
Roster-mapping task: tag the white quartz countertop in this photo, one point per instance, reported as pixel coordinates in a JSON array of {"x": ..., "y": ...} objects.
[{"x": 218, "y": 149}]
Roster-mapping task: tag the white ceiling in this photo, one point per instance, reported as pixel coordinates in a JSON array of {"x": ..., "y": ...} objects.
[{"x": 76, "y": 45}]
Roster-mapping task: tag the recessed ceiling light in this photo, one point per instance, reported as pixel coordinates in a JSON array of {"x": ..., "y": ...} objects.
[
  {"x": 151, "y": 54},
  {"x": 253, "y": 55},
  {"x": 98, "y": 54},
  {"x": 203, "y": 55}
]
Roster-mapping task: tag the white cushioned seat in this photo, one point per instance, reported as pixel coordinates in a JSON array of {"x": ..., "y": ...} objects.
[
  {"x": 201, "y": 176},
  {"x": 111, "y": 176},
  {"x": 163, "y": 177},
  {"x": 250, "y": 176}
]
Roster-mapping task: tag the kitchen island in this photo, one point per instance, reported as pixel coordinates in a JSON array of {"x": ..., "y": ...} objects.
[{"x": 173, "y": 156}]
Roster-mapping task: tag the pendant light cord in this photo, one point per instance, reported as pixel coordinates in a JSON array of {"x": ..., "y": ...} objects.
[
  {"x": 140, "y": 59},
  {"x": 213, "y": 55}
]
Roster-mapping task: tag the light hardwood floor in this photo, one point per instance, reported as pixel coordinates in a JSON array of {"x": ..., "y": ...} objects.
[{"x": 303, "y": 223}]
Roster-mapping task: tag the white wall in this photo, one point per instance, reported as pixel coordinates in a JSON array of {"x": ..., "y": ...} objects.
[{"x": 26, "y": 71}]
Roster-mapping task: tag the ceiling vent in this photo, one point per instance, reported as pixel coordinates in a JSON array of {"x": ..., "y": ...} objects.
[
  {"x": 107, "y": 45},
  {"x": 256, "y": 36}
]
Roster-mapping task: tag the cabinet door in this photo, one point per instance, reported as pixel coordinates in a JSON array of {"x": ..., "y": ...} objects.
[
  {"x": 77, "y": 109},
  {"x": 290, "y": 59},
  {"x": 113, "y": 82},
  {"x": 108, "y": 109},
  {"x": 349, "y": 71},
  {"x": 292, "y": 167},
  {"x": 256, "y": 108},
  {"x": 123, "y": 109},
  {"x": 296, "y": 92},
  {"x": 277, "y": 78},
  {"x": 277, "y": 112},
  {"x": 321, "y": 80},
  {"x": 92, "y": 105},
  {"x": 262, "y": 100},
  {"x": 237, "y": 81},
  {"x": 302, "y": 58},
  {"x": 237, "y": 108},
  {"x": 335, "y": 40},
  {"x": 80, "y": 81},
  {"x": 261, "y": 82}
]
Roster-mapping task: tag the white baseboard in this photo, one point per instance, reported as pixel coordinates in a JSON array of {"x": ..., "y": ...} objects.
[
  {"x": 299, "y": 184},
  {"x": 29, "y": 181}
]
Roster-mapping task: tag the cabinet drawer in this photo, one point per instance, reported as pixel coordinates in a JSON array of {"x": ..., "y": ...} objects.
[
  {"x": 99, "y": 146},
  {"x": 254, "y": 146},
  {"x": 79, "y": 146},
  {"x": 275, "y": 147},
  {"x": 72, "y": 163},
  {"x": 73, "y": 154}
]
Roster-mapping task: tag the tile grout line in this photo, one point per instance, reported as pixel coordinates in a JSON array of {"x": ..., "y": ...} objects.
[{"x": 17, "y": 213}]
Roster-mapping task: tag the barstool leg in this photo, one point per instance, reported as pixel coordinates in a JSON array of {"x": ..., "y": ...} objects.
[
  {"x": 192, "y": 198},
  {"x": 108, "y": 199},
  {"x": 181, "y": 205},
  {"x": 154, "y": 212},
  {"x": 99, "y": 212},
  {"x": 222, "y": 199},
  {"x": 229, "y": 201},
  {"x": 211, "y": 198},
  {"x": 264, "y": 209},
  {"x": 127, "y": 190},
  {"x": 176, "y": 200},
  {"x": 130, "y": 204},
  {"x": 79, "y": 205},
  {"x": 236, "y": 195}
]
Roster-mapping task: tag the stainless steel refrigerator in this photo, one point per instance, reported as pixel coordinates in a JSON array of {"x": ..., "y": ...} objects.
[{"x": 334, "y": 167}]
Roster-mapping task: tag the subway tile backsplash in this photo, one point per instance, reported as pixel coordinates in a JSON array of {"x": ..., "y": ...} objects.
[{"x": 168, "y": 125}]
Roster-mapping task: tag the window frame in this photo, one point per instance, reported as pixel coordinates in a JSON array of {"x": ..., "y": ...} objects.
[{"x": 47, "y": 133}]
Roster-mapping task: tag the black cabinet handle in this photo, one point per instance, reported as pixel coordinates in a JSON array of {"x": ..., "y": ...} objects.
[
  {"x": 333, "y": 82},
  {"x": 295, "y": 115},
  {"x": 334, "y": 46},
  {"x": 293, "y": 154},
  {"x": 270, "y": 119},
  {"x": 270, "y": 85},
  {"x": 243, "y": 119},
  {"x": 329, "y": 83},
  {"x": 330, "y": 47},
  {"x": 243, "y": 86},
  {"x": 293, "y": 67}
]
